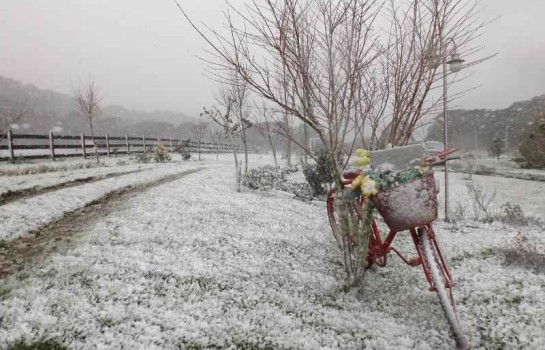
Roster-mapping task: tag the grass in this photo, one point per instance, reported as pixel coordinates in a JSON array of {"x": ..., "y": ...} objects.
[
  {"x": 29, "y": 169},
  {"x": 47, "y": 344},
  {"x": 526, "y": 256}
]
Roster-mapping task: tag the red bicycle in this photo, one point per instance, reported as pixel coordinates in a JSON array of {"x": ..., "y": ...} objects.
[{"x": 411, "y": 206}]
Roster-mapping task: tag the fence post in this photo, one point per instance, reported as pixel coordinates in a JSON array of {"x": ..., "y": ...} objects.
[
  {"x": 52, "y": 145},
  {"x": 144, "y": 142},
  {"x": 83, "y": 152},
  {"x": 128, "y": 144},
  {"x": 170, "y": 145},
  {"x": 10, "y": 145},
  {"x": 108, "y": 145}
]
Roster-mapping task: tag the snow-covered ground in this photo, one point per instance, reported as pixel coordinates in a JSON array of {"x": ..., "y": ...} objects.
[
  {"x": 530, "y": 195},
  {"x": 20, "y": 217},
  {"x": 192, "y": 264}
]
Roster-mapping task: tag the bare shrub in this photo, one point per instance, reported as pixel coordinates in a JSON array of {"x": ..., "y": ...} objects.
[
  {"x": 512, "y": 214},
  {"x": 482, "y": 202},
  {"x": 459, "y": 213},
  {"x": 524, "y": 252},
  {"x": 484, "y": 170}
]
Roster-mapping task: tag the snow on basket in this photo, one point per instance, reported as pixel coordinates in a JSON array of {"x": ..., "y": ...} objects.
[{"x": 409, "y": 205}]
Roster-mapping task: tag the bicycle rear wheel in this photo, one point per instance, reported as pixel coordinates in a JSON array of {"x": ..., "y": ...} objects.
[{"x": 442, "y": 284}]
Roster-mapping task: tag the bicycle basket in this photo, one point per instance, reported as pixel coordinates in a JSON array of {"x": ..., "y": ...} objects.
[{"x": 409, "y": 205}]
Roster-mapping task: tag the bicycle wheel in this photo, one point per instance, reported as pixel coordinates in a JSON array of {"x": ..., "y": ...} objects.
[
  {"x": 439, "y": 277},
  {"x": 375, "y": 240}
]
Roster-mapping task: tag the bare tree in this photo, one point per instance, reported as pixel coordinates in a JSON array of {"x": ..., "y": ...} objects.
[
  {"x": 238, "y": 95},
  {"x": 266, "y": 128},
  {"x": 10, "y": 116},
  {"x": 199, "y": 131},
  {"x": 87, "y": 99},
  {"x": 229, "y": 125},
  {"x": 324, "y": 63},
  {"x": 423, "y": 33},
  {"x": 216, "y": 134}
]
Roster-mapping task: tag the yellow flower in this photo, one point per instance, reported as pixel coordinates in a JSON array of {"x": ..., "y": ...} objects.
[
  {"x": 423, "y": 170},
  {"x": 357, "y": 182},
  {"x": 363, "y": 153},
  {"x": 362, "y": 161},
  {"x": 369, "y": 187}
]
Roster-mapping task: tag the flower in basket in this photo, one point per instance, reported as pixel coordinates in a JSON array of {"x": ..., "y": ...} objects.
[
  {"x": 369, "y": 188},
  {"x": 363, "y": 153},
  {"x": 356, "y": 183},
  {"x": 423, "y": 170},
  {"x": 364, "y": 185},
  {"x": 363, "y": 157}
]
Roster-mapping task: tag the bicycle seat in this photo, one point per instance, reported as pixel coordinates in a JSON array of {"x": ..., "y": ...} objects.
[{"x": 351, "y": 174}]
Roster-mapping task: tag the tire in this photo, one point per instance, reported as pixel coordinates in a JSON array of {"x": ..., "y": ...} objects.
[
  {"x": 374, "y": 239},
  {"x": 445, "y": 297}
]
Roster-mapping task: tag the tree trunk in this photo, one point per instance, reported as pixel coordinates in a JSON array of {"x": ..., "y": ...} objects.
[
  {"x": 94, "y": 143},
  {"x": 245, "y": 146},
  {"x": 350, "y": 228},
  {"x": 272, "y": 146},
  {"x": 237, "y": 166},
  {"x": 305, "y": 132}
]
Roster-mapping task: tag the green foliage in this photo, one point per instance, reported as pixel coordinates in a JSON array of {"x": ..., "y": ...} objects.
[
  {"x": 532, "y": 147},
  {"x": 161, "y": 153},
  {"x": 319, "y": 173}
]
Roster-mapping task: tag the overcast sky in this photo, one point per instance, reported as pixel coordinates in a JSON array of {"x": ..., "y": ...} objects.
[{"x": 143, "y": 55}]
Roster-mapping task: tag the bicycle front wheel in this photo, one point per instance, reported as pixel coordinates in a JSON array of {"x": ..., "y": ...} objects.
[{"x": 441, "y": 283}]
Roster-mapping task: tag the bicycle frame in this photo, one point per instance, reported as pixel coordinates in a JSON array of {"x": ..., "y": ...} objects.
[
  {"x": 379, "y": 248},
  {"x": 429, "y": 254}
]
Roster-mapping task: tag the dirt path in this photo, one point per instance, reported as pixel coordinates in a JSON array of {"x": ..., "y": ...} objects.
[
  {"x": 59, "y": 234},
  {"x": 12, "y": 196}
]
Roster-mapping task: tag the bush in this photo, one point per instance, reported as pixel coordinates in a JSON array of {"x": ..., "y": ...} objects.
[
  {"x": 143, "y": 157},
  {"x": 482, "y": 202},
  {"x": 264, "y": 177},
  {"x": 525, "y": 253},
  {"x": 300, "y": 190},
  {"x": 532, "y": 147},
  {"x": 319, "y": 173},
  {"x": 181, "y": 150},
  {"x": 484, "y": 170},
  {"x": 512, "y": 214},
  {"x": 161, "y": 153},
  {"x": 186, "y": 155}
]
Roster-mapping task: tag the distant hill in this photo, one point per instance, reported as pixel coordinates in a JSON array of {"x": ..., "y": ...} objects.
[
  {"x": 476, "y": 128},
  {"x": 47, "y": 110}
]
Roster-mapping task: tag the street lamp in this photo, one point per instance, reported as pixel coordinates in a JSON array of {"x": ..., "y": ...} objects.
[{"x": 455, "y": 64}]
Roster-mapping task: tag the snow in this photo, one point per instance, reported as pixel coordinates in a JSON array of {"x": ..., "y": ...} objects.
[
  {"x": 21, "y": 217},
  {"x": 39, "y": 181},
  {"x": 525, "y": 193},
  {"x": 193, "y": 263}
]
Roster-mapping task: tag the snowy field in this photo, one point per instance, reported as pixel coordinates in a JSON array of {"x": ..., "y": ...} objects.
[{"x": 192, "y": 264}]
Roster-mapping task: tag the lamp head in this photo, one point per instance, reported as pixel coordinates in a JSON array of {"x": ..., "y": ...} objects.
[{"x": 455, "y": 62}]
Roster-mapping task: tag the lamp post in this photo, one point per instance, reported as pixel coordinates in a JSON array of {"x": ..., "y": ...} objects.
[{"x": 455, "y": 64}]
